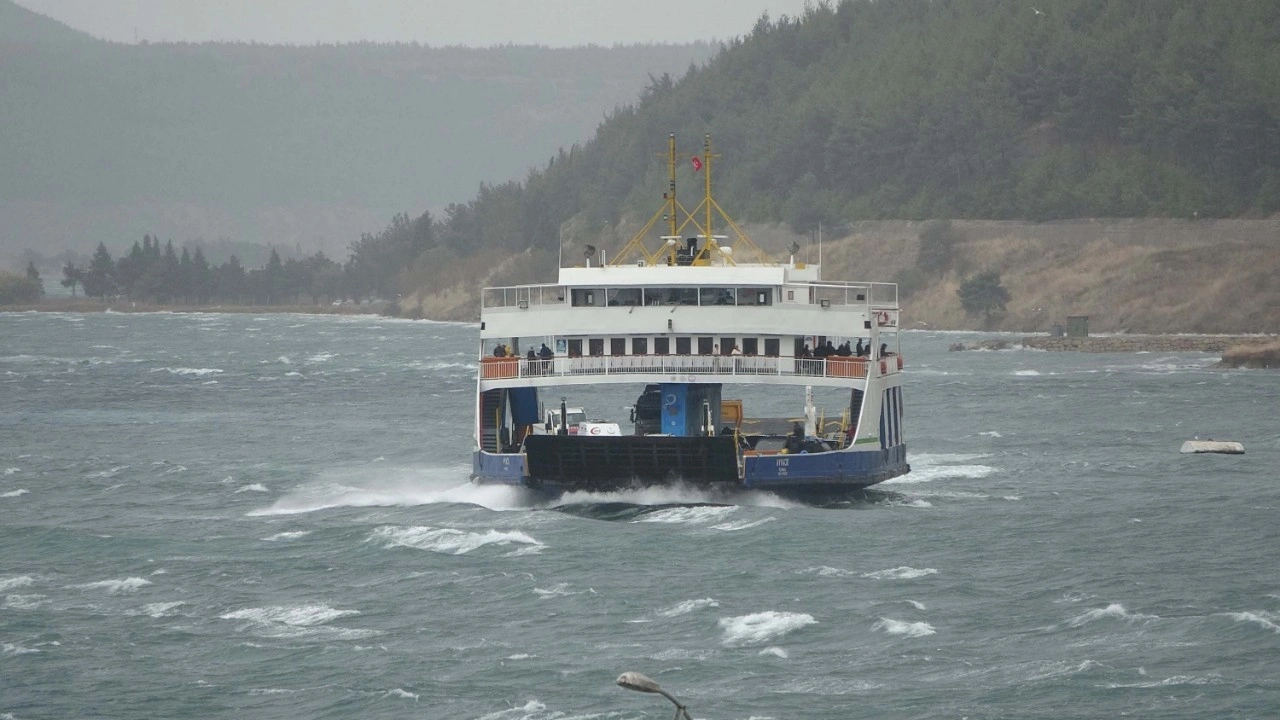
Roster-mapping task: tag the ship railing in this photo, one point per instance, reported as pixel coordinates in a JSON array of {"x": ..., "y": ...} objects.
[{"x": 493, "y": 368}]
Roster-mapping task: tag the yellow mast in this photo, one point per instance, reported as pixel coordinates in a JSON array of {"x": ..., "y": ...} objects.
[{"x": 706, "y": 162}]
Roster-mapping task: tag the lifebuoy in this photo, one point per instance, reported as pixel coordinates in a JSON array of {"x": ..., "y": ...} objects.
[{"x": 882, "y": 318}]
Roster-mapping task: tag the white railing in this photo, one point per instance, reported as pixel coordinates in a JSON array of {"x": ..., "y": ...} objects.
[{"x": 492, "y": 368}]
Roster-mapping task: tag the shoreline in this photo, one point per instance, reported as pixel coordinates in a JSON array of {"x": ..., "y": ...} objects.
[{"x": 1144, "y": 343}]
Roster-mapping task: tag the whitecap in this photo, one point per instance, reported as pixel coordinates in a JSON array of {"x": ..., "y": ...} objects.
[
  {"x": 528, "y": 711},
  {"x": 1168, "y": 682},
  {"x": 742, "y": 524},
  {"x": 11, "y": 471},
  {"x": 256, "y": 487},
  {"x": 114, "y": 587},
  {"x": 687, "y": 515},
  {"x": 190, "y": 372},
  {"x": 827, "y": 571},
  {"x": 17, "y": 581},
  {"x": 762, "y": 626},
  {"x": 916, "y": 604},
  {"x": 1258, "y": 618},
  {"x": 903, "y": 572},
  {"x": 159, "y": 610},
  {"x": 774, "y": 651},
  {"x": 559, "y": 590},
  {"x": 991, "y": 433},
  {"x": 209, "y": 382},
  {"x": 446, "y": 540},
  {"x": 295, "y": 374},
  {"x": 1114, "y": 610},
  {"x": 901, "y": 627},
  {"x": 1062, "y": 668},
  {"x": 321, "y": 357},
  {"x": 24, "y": 602},
  {"x": 1026, "y": 373},
  {"x": 923, "y": 473},
  {"x": 15, "y": 649},
  {"x": 284, "y": 359},
  {"x": 397, "y": 692},
  {"x": 687, "y": 606},
  {"x": 291, "y": 535},
  {"x": 520, "y": 656},
  {"x": 14, "y": 493},
  {"x": 295, "y": 615}
]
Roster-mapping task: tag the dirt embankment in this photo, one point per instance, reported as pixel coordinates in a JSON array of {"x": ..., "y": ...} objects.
[{"x": 1137, "y": 276}]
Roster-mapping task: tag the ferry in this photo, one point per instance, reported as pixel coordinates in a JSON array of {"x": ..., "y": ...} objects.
[{"x": 678, "y": 321}]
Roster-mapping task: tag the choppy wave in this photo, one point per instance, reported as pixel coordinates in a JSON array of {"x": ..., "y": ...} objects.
[
  {"x": 762, "y": 626},
  {"x": 1265, "y": 620},
  {"x": 774, "y": 651},
  {"x": 827, "y": 571},
  {"x": 1169, "y": 682},
  {"x": 297, "y": 621},
  {"x": 24, "y": 602},
  {"x": 14, "y": 493},
  {"x": 11, "y": 470},
  {"x": 159, "y": 610},
  {"x": 1112, "y": 611},
  {"x": 191, "y": 372},
  {"x": 447, "y": 540},
  {"x": 902, "y": 627},
  {"x": 557, "y": 590},
  {"x": 744, "y": 524},
  {"x": 903, "y": 572},
  {"x": 255, "y": 487},
  {"x": 687, "y": 515},
  {"x": 289, "y": 535},
  {"x": 391, "y": 487},
  {"x": 11, "y": 583},
  {"x": 114, "y": 587},
  {"x": 686, "y": 607}
]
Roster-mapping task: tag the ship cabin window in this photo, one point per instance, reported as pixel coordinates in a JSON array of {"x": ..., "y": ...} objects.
[
  {"x": 706, "y": 345},
  {"x": 596, "y": 346},
  {"x": 684, "y": 346},
  {"x": 680, "y": 296},
  {"x": 661, "y": 346},
  {"x": 755, "y": 296},
  {"x": 726, "y": 345},
  {"x": 623, "y": 296},
  {"x": 639, "y": 346},
  {"x": 575, "y": 348},
  {"x": 715, "y": 296},
  {"x": 771, "y": 347},
  {"x": 617, "y": 346},
  {"x": 750, "y": 346},
  {"x": 583, "y": 298},
  {"x": 791, "y": 295}
]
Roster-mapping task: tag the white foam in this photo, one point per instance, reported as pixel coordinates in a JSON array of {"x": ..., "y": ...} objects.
[
  {"x": 294, "y": 615},
  {"x": 1026, "y": 373},
  {"x": 991, "y": 433},
  {"x": 560, "y": 589},
  {"x": 115, "y": 587},
  {"x": 529, "y": 711},
  {"x": 1169, "y": 682},
  {"x": 762, "y": 626},
  {"x": 283, "y": 360},
  {"x": 24, "y": 602},
  {"x": 687, "y": 606},
  {"x": 15, "y": 493},
  {"x": 159, "y": 610},
  {"x": 190, "y": 372},
  {"x": 1062, "y": 668},
  {"x": 321, "y": 357},
  {"x": 256, "y": 487},
  {"x": 520, "y": 656},
  {"x": 1258, "y": 618},
  {"x": 1114, "y": 610},
  {"x": 397, "y": 692},
  {"x": 390, "y": 487},
  {"x": 774, "y": 651},
  {"x": 687, "y": 515},
  {"x": 903, "y": 572},
  {"x": 916, "y": 604},
  {"x": 679, "y": 495},
  {"x": 902, "y": 627},
  {"x": 923, "y": 473},
  {"x": 826, "y": 571},
  {"x": 17, "y": 581},
  {"x": 742, "y": 524},
  {"x": 447, "y": 540},
  {"x": 290, "y": 535},
  {"x": 11, "y": 471},
  {"x": 14, "y": 649},
  {"x": 295, "y": 374}
]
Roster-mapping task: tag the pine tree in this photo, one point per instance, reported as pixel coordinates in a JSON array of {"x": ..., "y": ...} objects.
[
  {"x": 34, "y": 276},
  {"x": 100, "y": 280},
  {"x": 71, "y": 277}
]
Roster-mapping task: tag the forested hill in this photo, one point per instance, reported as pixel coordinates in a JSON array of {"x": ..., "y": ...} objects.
[
  {"x": 20, "y": 25},
  {"x": 308, "y": 145},
  {"x": 919, "y": 109}
]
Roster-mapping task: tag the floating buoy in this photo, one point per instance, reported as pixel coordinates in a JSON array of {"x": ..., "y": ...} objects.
[{"x": 1223, "y": 447}]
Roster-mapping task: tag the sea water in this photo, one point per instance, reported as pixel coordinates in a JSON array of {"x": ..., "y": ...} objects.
[{"x": 239, "y": 516}]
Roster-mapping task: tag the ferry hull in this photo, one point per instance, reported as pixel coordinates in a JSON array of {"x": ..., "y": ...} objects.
[{"x": 556, "y": 465}]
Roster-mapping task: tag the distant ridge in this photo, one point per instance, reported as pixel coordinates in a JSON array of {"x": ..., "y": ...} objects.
[{"x": 18, "y": 24}]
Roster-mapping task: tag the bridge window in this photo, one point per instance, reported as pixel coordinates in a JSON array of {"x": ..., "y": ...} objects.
[
  {"x": 715, "y": 296},
  {"x": 624, "y": 296},
  {"x": 583, "y": 298},
  {"x": 755, "y": 296},
  {"x": 639, "y": 346}
]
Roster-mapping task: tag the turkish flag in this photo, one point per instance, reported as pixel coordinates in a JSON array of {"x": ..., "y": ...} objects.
[{"x": 697, "y": 163}]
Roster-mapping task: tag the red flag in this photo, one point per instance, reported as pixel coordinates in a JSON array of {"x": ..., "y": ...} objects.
[{"x": 697, "y": 163}]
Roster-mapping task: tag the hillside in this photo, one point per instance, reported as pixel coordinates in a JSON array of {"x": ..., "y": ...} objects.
[
  {"x": 976, "y": 110},
  {"x": 310, "y": 145}
]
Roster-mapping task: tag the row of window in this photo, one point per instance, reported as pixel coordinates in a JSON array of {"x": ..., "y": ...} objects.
[{"x": 611, "y": 297}]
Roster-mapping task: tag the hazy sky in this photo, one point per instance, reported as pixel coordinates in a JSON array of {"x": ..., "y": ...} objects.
[{"x": 481, "y": 23}]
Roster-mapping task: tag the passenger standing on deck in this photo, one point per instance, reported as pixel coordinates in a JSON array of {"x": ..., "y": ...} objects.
[
  {"x": 858, "y": 349},
  {"x": 532, "y": 365}
]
